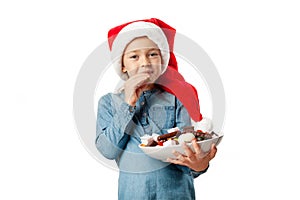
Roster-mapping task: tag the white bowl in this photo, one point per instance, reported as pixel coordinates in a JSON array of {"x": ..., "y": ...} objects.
[{"x": 164, "y": 152}]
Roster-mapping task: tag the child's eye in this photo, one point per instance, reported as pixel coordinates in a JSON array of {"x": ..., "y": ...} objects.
[
  {"x": 154, "y": 54},
  {"x": 133, "y": 57}
]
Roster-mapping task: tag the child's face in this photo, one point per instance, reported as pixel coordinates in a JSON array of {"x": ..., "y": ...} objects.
[{"x": 142, "y": 56}]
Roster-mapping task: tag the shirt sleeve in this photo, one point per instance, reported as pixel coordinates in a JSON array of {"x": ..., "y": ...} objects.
[{"x": 113, "y": 117}]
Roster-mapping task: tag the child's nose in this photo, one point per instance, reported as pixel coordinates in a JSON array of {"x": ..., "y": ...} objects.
[{"x": 145, "y": 61}]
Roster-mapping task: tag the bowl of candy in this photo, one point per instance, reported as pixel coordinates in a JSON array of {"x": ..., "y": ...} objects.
[{"x": 162, "y": 147}]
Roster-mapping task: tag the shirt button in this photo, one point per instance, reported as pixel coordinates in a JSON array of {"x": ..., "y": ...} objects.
[
  {"x": 142, "y": 103},
  {"x": 144, "y": 114},
  {"x": 131, "y": 109}
]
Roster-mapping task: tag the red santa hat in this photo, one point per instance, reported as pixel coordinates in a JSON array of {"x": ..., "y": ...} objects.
[
  {"x": 120, "y": 36},
  {"x": 163, "y": 36}
]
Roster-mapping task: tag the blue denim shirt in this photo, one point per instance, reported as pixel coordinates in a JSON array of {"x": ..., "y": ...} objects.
[{"x": 119, "y": 127}]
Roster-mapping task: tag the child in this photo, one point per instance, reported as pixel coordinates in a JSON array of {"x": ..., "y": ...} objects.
[{"x": 154, "y": 98}]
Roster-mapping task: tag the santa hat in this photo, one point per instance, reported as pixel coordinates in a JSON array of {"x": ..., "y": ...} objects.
[
  {"x": 163, "y": 36},
  {"x": 121, "y": 36}
]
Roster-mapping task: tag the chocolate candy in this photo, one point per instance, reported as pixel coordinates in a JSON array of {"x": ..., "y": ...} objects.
[
  {"x": 188, "y": 129},
  {"x": 151, "y": 142},
  {"x": 176, "y": 136},
  {"x": 202, "y": 136},
  {"x": 166, "y": 136}
]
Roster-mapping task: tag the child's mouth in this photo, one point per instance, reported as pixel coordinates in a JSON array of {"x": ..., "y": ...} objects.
[{"x": 147, "y": 72}]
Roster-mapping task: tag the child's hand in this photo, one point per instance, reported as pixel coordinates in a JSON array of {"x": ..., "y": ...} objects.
[
  {"x": 197, "y": 160},
  {"x": 134, "y": 87}
]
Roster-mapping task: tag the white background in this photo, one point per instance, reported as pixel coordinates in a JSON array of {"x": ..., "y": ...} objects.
[{"x": 254, "y": 45}]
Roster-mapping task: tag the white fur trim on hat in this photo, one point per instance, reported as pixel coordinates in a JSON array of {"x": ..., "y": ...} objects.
[{"x": 132, "y": 31}]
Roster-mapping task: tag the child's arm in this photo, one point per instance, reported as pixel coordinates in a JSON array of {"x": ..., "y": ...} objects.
[{"x": 113, "y": 118}]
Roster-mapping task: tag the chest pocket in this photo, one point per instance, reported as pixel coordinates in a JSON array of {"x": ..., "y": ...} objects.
[{"x": 163, "y": 116}]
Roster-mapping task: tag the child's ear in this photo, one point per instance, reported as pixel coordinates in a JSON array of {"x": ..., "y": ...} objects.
[{"x": 124, "y": 69}]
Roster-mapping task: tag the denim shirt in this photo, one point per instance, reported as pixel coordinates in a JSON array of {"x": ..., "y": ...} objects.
[{"x": 119, "y": 128}]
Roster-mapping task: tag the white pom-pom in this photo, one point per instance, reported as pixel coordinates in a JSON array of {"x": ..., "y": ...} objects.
[{"x": 205, "y": 125}]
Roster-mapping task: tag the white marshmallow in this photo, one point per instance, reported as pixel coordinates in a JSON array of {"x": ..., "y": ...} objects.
[
  {"x": 171, "y": 130},
  {"x": 186, "y": 137},
  {"x": 169, "y": 143}
]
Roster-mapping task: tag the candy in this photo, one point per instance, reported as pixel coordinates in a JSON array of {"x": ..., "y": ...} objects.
[
  {"x": 175, "y": 136},
  {"x": 166, "y": 136},
  {"x": 188, "y": 129},
  {"x": 187, "y": 137},
  {"x": 169, "y": 143},
  {"x": 151, "y": 142},
  {"x": 171, "y": 130}
]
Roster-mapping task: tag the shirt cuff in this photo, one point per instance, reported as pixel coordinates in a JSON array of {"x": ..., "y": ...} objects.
[
  {"x": 195, "y": 174},
  {"x": 124, "y": 116}
]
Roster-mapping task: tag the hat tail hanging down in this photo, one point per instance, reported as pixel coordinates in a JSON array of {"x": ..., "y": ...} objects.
[{"x": 171, "y": 80}]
